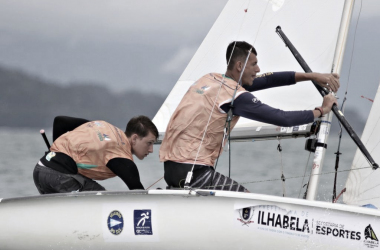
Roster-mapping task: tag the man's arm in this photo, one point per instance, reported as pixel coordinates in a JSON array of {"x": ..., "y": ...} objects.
[
  {"x": 271, "y": 80},
  {"x": 246, "y": 105},
  {"x": 278, "y": 79},
  {"x": 127, "y": 171}
]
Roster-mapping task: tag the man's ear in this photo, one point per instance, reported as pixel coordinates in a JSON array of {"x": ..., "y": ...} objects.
[
  {"x": 134, "y": 139},
  {"x": 239, "y": 66}
]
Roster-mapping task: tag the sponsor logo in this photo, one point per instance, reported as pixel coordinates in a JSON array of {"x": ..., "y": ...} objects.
[
  {"x": 255, "y": 100},
  {"x": 100, "y": 136},
  {"x": 98, "y": 124},
  {"x": 265, "y": 74},
  {"x": 283, "y": 221},
  {"x": 295, "y": 129},
  {"x": 50, "y": 155},
  {"x": 336, "y": 230},
  {"x": 205, "y": 88},
  {"x": 202, "y": 90},
  {"x": 143, "y": 222},
  {"x": 245, "y": 216},
  {"x": 106, "y": 137},
  {"x": 370, "y": 238},
  {"x": 115, "y": 222}
]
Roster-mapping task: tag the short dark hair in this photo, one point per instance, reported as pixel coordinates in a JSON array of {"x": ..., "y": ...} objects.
[
  {"x": 240, "y": 52},
  {"x": 141, "y": 125}
]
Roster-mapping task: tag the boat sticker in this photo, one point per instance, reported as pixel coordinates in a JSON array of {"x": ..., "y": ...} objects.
[
  {"x": 295, "y": 128},
  {"x": 289, "y": 129},
  {"x": 50, "y": 155},
  {"x": 143, "y": 222},
  {"x": 115, "y": 222},
  {"x": 283, "y": 129},
  {"x": 258, "y": 129},
  {"x": 303, "y": 127},
  {"x": 246, "y": 216},
  {"x": 129, "y": 221},
  {"x": 370, "y": 238},
  {"x": 332, "y": 229}
]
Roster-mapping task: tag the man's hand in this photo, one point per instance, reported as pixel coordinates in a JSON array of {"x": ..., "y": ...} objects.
[
  {"x": 328, "y": 102},
  {"x": 329, "y": 81}
]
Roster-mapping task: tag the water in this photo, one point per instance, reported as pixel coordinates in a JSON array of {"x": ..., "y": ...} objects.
[{"x": 253, "y": 163}]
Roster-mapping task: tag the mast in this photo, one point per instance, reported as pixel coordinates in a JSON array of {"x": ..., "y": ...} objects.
[{"x": 326, "y": 121}]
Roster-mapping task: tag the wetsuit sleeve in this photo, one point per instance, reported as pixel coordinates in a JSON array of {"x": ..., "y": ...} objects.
[
  {"x": 272, "y": 80},
  {"x": 248, "y": 106},
  {"x": 62, "y": 124},
  {"x": 127, "y": 171}
]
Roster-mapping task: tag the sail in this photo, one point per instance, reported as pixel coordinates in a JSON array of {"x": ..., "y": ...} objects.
[
  {"x": 312, "y": 25},
  {"x": 362, "y": 186}
]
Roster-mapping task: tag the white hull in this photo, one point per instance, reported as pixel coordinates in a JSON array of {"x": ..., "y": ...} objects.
[{"x": 179, "y": 220}]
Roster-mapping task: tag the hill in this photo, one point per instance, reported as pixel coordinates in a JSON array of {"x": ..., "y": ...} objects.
[{"x": 29, "y": 101}]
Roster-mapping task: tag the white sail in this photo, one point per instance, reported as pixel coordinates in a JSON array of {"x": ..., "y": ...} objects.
[
  {"x": 363, "y": 182},
  {"x": 312, "y": 25}
]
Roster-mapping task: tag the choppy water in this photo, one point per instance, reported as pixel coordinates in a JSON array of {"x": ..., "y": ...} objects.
[{"x": 253, "y": 163}]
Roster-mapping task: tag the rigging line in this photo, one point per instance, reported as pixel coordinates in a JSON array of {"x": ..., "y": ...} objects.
[
  {"x": 208, "y": 122},
  {"x": 279, "y": 179},
  {"x": 262, "y": 18},
  {"x": 370, "y": 198},
  {"x": 221, "y": 145},
  {"x": 338, "y": 151},
  {"x": 279, "y": 148},
  {"x": 353, "y": 47},
  {"x": 154, "y": 183},
  {"x": 369, "y": 189},
  {"x": 213, "y": 107},
  {"x": 304, "y": 174},
  {"x": 233, "y": 16}
]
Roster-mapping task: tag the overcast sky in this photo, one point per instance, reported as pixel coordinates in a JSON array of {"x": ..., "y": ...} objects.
[{"x": 145, "y": 45}]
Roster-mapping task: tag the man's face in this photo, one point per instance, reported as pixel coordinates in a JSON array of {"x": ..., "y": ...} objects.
[
  {"x": 251, "y": 69},
  {"x": 142, "y": 146}
]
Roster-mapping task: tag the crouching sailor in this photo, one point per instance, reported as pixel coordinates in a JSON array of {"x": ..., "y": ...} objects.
[
  {"x": 95, "y": 150},
  {"x": 198, "y": 129}
]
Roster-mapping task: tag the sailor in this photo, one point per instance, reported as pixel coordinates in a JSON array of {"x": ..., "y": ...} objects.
[
  {"x": 197, "y": 129},
  {"x": 93, "y": 150}
]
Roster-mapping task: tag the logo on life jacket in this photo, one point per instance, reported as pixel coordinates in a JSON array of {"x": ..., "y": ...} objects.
[{"x": 50, "y": 155}]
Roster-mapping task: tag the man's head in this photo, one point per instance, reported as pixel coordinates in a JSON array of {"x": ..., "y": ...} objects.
[
  {"x": 236, "y": 56},
  {"x": 142, "y": 133}
]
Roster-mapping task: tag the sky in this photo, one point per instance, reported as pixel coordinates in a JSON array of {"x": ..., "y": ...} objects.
[{"x": 145, "y": 45}]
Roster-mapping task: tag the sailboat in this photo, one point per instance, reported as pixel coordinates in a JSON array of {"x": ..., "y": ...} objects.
[{"x": 213, "y": 219}]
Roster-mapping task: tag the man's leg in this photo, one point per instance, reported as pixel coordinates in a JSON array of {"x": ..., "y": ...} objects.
[
  {"x": 204, "y": 177},
  {"x": 49, "y": 181}
]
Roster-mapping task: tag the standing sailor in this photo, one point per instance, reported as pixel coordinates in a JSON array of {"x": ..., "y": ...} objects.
[
  {"x": 95, "y": 150},
  {"x": 196, "y": 130}
]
